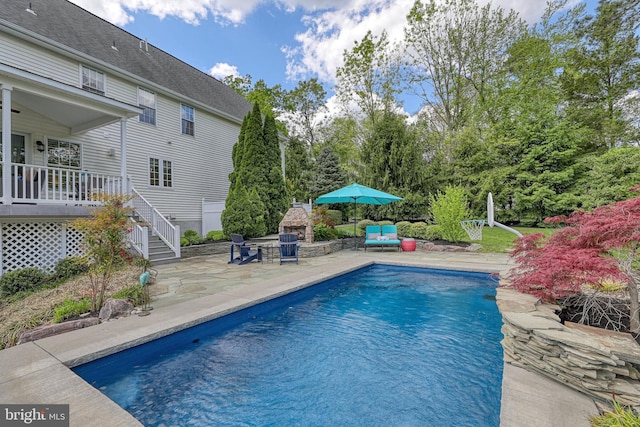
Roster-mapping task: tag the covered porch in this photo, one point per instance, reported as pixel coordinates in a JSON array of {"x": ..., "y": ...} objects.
[{"x": 65, "y": 169}]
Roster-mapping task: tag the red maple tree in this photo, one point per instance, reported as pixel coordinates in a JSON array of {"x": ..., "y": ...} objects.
[{"x": 593, "y": 247}]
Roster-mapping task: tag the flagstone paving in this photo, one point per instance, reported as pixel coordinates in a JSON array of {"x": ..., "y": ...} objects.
[{"x": 197, "y": 289}]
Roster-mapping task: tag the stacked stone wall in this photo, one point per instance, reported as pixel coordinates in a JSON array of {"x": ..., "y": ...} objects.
[{"x": 597, "y": 362}]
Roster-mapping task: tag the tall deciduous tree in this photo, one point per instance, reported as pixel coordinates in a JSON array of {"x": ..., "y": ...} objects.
[
  {"x": 370, "y": 76},
  {"x": 455, "y": 48},
  {"x": 343, "y": 136},
  {"x": 271, "y": 99},
  {"x": 305, "y": 105},
  {"x": 299, "y": 170}
]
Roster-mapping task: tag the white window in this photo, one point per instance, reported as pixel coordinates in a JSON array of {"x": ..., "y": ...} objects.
[
  {"x": 62, "y": 154},
  {"x": 147, "y": 100},
  {"x": 92, "y": 80},
  {"x": 188, "y": 119},
  {"x": 160, "y": 172}
]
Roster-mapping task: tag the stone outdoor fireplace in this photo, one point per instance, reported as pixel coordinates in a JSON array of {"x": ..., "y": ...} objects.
[{"x": 297, "y": 221}]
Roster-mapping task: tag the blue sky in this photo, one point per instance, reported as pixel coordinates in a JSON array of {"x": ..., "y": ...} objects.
[{"x": 279, "y": 41}]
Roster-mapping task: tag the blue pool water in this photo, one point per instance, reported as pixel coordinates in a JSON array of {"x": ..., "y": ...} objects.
[{"x": 382, "y": 346}]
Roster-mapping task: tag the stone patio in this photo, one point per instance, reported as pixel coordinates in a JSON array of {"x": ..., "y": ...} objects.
[{"x": 198, "y": 289}]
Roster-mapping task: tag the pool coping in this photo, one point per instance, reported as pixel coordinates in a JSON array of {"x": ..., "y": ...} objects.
[{"x": 40, "y": 371}]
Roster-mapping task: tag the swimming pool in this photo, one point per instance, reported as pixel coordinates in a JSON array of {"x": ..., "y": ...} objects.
[{"x": 384, "y": 345}]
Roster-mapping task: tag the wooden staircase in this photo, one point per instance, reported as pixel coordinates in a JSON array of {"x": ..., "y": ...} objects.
[
  {"x": 160, "y": 242},
  {"x": 159, "y": 252}
]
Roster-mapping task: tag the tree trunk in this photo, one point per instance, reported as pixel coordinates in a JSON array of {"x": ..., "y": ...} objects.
[
  {"x": 634, "y": 310},
  {"x": 632, "y": 286}
]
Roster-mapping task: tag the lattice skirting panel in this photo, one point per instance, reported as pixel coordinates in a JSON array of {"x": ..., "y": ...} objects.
[{"x": 37, "y": 244}]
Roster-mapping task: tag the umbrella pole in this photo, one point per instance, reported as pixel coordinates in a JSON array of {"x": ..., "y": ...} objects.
[{"x": 355, "y": 221}]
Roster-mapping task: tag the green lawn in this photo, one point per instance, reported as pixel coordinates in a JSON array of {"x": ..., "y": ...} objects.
[
  {"x": 500, "y": 241},
  {"x": 494, "y": 239}
]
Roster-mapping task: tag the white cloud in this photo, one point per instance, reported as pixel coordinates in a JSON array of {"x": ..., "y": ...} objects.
[
  {"x": 319, "y": 49},
  {"x": 119, "y": 12},
  {"x": 222, "y": 70},
  {"x": 332, "y": 25}
]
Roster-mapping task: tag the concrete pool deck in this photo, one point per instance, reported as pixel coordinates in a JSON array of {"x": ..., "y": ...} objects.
[{"x": 202, "y": 288}]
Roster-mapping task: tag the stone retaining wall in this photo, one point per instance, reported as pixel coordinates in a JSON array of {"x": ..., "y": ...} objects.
[
  {"x": 591, "y": 360},
  {"x": 320, "y": 248},
  {"x": 306, "y": 250}
]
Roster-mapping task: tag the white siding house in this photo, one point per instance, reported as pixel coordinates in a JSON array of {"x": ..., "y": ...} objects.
[{"x": 86, "y": 107}]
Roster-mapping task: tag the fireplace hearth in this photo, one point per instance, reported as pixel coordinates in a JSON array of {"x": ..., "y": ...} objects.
[{"x": 297, "y": 221}]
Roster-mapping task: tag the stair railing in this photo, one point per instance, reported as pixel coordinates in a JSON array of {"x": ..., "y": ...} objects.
[
  {"x": 139, "y": 238},
  {"x": 160, "y": 226}
]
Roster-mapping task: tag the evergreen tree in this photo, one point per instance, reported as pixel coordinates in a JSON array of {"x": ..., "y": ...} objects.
[
  {"x": 329, "y": 175},
  {"x": 392, "y": 155},
  {"x": 274, "y": 191},
  {"x": 237, "y": 152},
  {"x": 253, "y": 166},
  {"x": 257, "y": 169},
  {"x": 244, "y": 213},
  {"x": 602, "y": 72}
]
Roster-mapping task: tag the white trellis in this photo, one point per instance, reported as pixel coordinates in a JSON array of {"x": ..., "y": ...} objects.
[{"x": 37, "y": 244}]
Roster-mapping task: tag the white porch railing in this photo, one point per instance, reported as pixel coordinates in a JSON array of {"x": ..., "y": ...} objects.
[
  {"x": 41, "y": 184},
  {"x": 160, "y": 226},
  {"x": 139, "y": 238}
]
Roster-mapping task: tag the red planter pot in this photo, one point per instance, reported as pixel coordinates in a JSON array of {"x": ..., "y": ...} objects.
[{"x": 408, "y": 245}]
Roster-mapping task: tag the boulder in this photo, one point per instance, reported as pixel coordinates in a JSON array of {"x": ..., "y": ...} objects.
[
  {"x": 114, "y": 308},
  {"x": 55, "y": 329}
]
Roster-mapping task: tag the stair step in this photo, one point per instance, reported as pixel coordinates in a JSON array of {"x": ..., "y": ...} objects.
[
  {"x": 164, "y": 260},
  {"x": 159, "y": 252}
]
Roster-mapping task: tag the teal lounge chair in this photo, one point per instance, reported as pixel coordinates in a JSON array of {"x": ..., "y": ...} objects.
[{"x": 387, "y": 235}]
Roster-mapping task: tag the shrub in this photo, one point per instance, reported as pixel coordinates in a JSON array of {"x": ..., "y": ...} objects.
[
  {"x": 618, "y": 417},
  {"x": 184, "y": 241},
  {"x": 418, "y": 230},
  {"x": 323, "y": 215},
  {"x": 385, "y": 222},
  {"x": 105, "y": 242},
  {"x": 26, "y": 279},
  {"x": 69, "y": 308},
  {"x": 433, "y": 232},
  {"x": 215, "y": 235},
  {"x": 362, "y": 225},
  {"x": 192, "y": 237},
  {"x": 447, "y": 210},
  {"x": 134, "y": 294},
  {"x": 70, "y": 267},
  {"x": 334, "y": 216},
  {"x": 324, "y": 232},
  {"x": 404, "y": 228}
]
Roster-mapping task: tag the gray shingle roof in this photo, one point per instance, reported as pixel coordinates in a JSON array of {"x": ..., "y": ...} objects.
[{"x": 72, "y": 26}]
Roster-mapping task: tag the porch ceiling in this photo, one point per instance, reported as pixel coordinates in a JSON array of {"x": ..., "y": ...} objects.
[
  {"x": 78, "y": 118},
  {"x": 77, "y": 109}
]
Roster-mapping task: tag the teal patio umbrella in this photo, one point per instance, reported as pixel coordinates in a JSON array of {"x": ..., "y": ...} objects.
[{"x": 357, "y": 194}]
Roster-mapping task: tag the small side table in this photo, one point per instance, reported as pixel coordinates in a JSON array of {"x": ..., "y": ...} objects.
[{"x": 267, "y": 251}]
